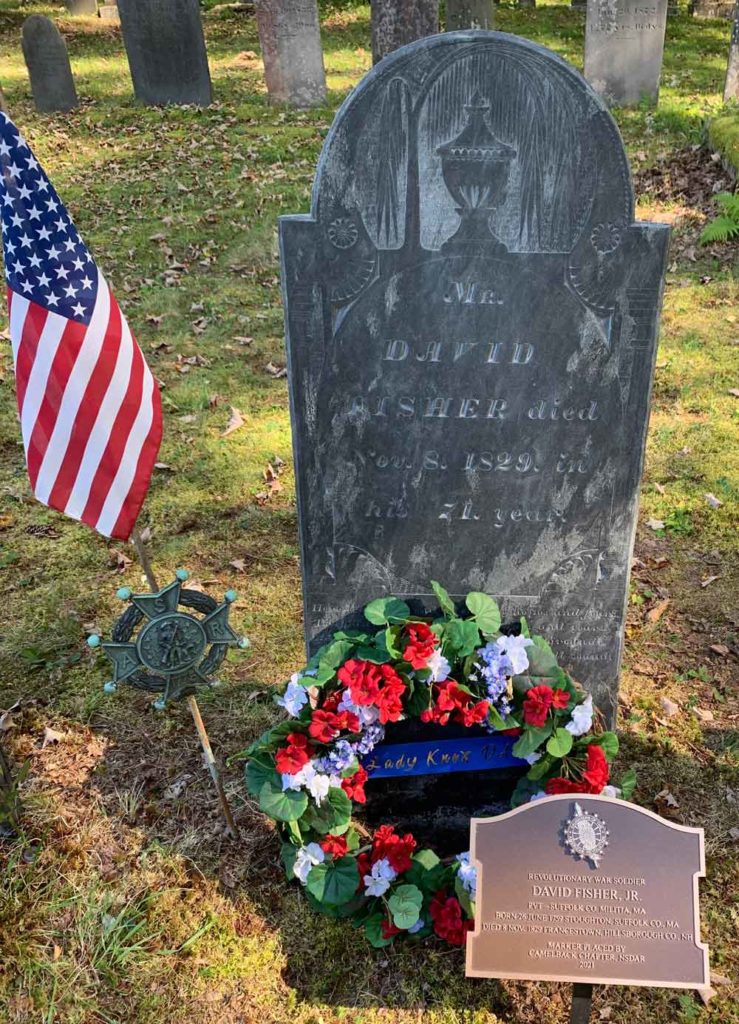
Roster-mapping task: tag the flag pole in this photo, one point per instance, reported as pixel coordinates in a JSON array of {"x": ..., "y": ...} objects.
[{"x": 143, "y": 557}]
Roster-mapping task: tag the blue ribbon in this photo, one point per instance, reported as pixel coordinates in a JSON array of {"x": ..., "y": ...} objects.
[{"x": 437, "y": 757}]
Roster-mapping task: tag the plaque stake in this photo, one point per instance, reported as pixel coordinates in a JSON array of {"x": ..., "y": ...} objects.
[
  {"x": 143, "y": 557},
  {"x": 582, "y": 1002}
]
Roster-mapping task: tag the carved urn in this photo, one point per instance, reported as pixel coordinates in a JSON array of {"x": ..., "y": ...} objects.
[{"x": 476, "y": 167}]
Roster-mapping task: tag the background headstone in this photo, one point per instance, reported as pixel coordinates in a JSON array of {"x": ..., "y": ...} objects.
[
  {"x": 166, "y": 51},
  {"x": 446, "y": 425},
  {"x": 397, "y": 22},
  {"x": 47, "y": 60},
  {"x": 461, "y": 14},
  {"x": 731, "y": 84},
  {"x": 624, "y": 40},
  {"x": 290, "y": 37},
  {"x": 109, "y": 12},
  {"x": 711, "y": 8},
  {"x": 80, "y": 7}
]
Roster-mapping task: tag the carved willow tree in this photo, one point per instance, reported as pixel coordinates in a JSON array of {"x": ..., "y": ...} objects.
[{"x": 397, "y": 22}]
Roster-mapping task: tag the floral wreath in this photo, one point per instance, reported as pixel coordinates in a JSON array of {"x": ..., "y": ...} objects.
[{"x": 307, "y": 772}]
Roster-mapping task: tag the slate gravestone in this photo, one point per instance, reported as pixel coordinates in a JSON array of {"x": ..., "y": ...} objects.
[
  {"x": 81, "y": 7},
  {"x": 461, "y": 14},
  {"x": 47, "y": 60},
  {"x": 290, "y": 37},
  {"x": 109, "y": 12},
  {"x": 731, "y": 83},
  {"x": 166, "y": 51},
  {"x": 624, "y": 41},
  {"x": 711, "y": 9},
  {"x": 397, "y": 22}
]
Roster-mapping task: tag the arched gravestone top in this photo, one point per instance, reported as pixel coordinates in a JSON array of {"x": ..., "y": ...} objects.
[
  {"x": 471, "y": 324},
  {"x": 47, "y": 60}
]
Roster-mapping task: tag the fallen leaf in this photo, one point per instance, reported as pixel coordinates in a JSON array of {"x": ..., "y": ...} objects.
[
  {"x": 276, "y": 371},
  {"x": 236, "y": 421},
  {"x": 721, "y": 649},
  {"x": 734, "y": 392},
  {"x": 51, "y": 736},
  {"x": 706, "y": 994},
  {"x": 164, "y": 467},
  {"x": 238, "y": 564},
  {"x": 719, "y": 979},
  {"x": 713, "y": 501},
  {"x": 118, "y": 560},
  {"x": 708, "y": 581},
  {"x": 669, "y": 707},
  {"x": 242, "y": 339},
  {"x": 177, "y": 788},
  {"x": 189, "y": 418},
  {"x": 5, "y": 522},
  {"x": 659, "y": 488},
  {"x": 703, "y": 714},
  {"x": 666, "y": 800},
  {"x": 655, "y": 524},
  {"x": 214, "y": 401},
  {"x": 656, "y": 613}
]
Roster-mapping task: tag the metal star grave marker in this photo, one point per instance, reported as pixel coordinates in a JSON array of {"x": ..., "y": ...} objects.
[{"x": 175, "y": 653}]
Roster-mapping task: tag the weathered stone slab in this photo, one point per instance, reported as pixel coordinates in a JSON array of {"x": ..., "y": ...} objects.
[
  {"x": 731, "y": 83},
  {"x": 624, "y": 41},
  {"x": 462, "y": 14},
  {"x": 588, "y": 890},
  {"x": 47, "y": 60},
  {"x": 712, "y": 9},
  {"x": 290, "y": 37},
  {"x": 109, "y": 12},
  {"x": 166, "y": 51},
  {"x": 471, "y": 318},
  {"x": 398, "y": 22},
  {"x": 76, "y": 8}
]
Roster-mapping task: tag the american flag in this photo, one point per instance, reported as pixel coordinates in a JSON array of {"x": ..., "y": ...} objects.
[{"x": 89, "y": 407}]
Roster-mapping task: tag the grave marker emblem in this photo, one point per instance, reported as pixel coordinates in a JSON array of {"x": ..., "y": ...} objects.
[{"x": 471, "y": 319}]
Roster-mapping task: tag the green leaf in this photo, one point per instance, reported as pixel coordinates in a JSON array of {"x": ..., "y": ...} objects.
[
  {"x": 386, "y": 610},
  {"x": 543, "y": 669},
  {"x": 417, "y": 697},
  {"x": 559, "y": 744},
  {"x": 427, "y": 858},
  {"x": 445, "y": 602},
  {"x": 464, "y": 897},
  {"x": 333, "y": 816},
  {"x": 377, "y": 655},
  {"x": 531, "y": 739},
  {"x": 525, "y": 789},
  {"x": 541, "y": 767},
  {"x": 256, "y": 774},
  {"x": 287, "y": 806},
  {"x": 288, "y": 854},
  {"x": 405, "y": 906},
  {"x": 627, "y": 784},
  {"x": 485, "y": 611},
  {"x": 392, "y": 633},
  {"x": 334, "y": 881},
  {"x": 373, "y": 931},
  {"x": 462, "y": 635}
]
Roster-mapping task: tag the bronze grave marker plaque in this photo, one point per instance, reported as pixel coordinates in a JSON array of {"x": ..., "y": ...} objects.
[{"x": 587, "y": 889}]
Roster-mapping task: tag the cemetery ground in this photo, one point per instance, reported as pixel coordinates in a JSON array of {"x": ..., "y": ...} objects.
[{"x": 123, "y": 901}]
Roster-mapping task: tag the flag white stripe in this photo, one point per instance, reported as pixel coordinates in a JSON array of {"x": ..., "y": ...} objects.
[
  {"x": 18, "y": 309},
  {"x": 38, "y": 377},
  {"x": 102, "y": 428},
  {"x": 74, "y": 393},
  {"x": 127, "y": 469}
]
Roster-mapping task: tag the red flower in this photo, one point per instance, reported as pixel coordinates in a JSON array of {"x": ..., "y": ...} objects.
[
  {"x": 536, "y": 705},
  {"x": 334, "y": 846},
  {"x": 397, "y": 850},
  {"x": 596, "y": 769},
  {"x": 555, "y": 786},
  {"x": 324, "y": 726},
  {"x": 331, "y": 703},
  {"x": 295, "y": 755},
  {"x": 364, "y": 864},
  {"x": 560, "y": 698},
  {"x": 354, "y": 785},
  {"x": 389, "y": 929},
  {"x": 421, "y": 644},
  {"x": 446, "y": 913},
  {"x": 455, "y": 703},
  {"x": 374, "y": 685}
]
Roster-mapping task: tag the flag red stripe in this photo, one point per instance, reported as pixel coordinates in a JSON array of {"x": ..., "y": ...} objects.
[
  {"x": 87, "y": 413},
  {"x": 119, "y": 431},
  {"x": 33, "y": 325},
  {"x": 61, "y": 369},
  {"x": 136, "y": 495}
]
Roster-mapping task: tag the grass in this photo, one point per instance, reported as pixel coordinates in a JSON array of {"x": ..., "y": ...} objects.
[{"x": 125, "y": 903}]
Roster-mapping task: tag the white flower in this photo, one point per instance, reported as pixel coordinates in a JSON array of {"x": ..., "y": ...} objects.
[
  {"x": 611, "y": 791},
  {"x": 294, "y": 697},
  {"x": 541, "y": 795},
  {"x": 294, "y": 781},
  {"x": 307, "y": 857},
  {"x": 378, "y": 882},
  {"x": 366, "y": 715},
  {"x": 440, "y": 667},
  {"x": 533, "y": 758},
  {"x": 581, "y": 718},
  {"x": 317, "y": 785},
  {"x": 467, "y": 874},
  {"x": 514, "y": 648}
]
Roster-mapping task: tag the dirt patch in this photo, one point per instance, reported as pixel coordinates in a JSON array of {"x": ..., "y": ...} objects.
[{"x": 691, "y": 178}]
